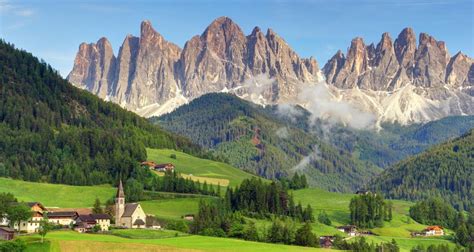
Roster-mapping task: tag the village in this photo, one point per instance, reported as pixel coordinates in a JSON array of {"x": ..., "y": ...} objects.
[
  {"x": 127, "y": 215},
  {"x": 132, "y": 216}
]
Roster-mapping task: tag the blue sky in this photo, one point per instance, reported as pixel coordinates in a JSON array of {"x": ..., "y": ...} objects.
[{"x": 53, "y": 30}]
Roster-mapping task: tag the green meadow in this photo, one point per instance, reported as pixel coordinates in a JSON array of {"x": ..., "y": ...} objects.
[
  {"x": 188, "y": 164},
  {"x": 172, "y": 209},
  {"x": 336, "y": 205},
  {"x": 147, "y": 233},
  {"x": 73, "y": 241},
  {"x": 56, "y": 195}
]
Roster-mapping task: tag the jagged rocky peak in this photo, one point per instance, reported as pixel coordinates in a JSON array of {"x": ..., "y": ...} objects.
[
  {"x": 357, "y": 56},
  {"x": 431, "y": 60},
  {"x": 146, "y": 30},
  {"x": 385, "y": 43},
  {"x": 223, "y": 58},
  {"x": 394, "y": 64},
  {"x": 151, "y": 73},
  {"x": 460, "y": 71},
  {"x": 405, "y": 47},
  {"x": 401, "y": 81},
  {"x": 94, "y": 66}
]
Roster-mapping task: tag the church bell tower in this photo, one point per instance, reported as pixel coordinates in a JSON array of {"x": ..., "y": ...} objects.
[{"x": 119, "y": 204}]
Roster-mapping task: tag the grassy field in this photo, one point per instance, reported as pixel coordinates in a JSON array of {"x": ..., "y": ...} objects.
[
  {"x": 336, "y": 205},
  {"x": 147, "y": 233},
  {"x": 171, "y": 209},
  {"x": 55, "y": 195},
  {"x": 203, "y": 168},
  {"x": 406, "y": 244},
  {"x": 72, "y": 241}
]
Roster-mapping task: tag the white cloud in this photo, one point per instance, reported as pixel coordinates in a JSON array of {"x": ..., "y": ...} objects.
[
  {"x": 282, "y": 132},
  {"x": 321, "y": 103},
  {"x": 313, "y": 156},
  {"x": 257, "y": 85},
  {"x": 288, "y": 111},
  {"x": 25, "y": 12},
  {"x": 319, "y": 100},
  {"x": 8, "y": 8}
]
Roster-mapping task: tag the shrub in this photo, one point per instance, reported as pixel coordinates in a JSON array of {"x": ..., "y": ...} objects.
[{"x": 13, "y": 246}]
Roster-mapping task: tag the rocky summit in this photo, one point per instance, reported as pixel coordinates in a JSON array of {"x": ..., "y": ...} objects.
[
  {"x": 396, "y": 80},
  {"x": 152, "y": 76},
  {"x": 400, "y": 81}
]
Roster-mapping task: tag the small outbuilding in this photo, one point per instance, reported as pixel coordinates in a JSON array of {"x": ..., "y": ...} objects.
[
  {"x": 7, "y": 233},
  {"x": 152, "y": 222},
  {"x": 326, "y": 241}
]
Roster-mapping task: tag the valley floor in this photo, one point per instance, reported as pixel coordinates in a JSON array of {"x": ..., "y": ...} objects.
[
  {"x": 175, "y": 206},
  {"x": 72, "y": 241}
]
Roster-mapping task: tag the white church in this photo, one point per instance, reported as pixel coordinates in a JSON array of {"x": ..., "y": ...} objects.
[{"x": 128, "y": 215}]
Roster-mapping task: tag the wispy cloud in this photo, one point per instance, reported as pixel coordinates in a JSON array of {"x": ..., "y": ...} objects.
[
  {"x": 105, "y": 8},
  {"x": 313, "y": 156},
  {"x": 7, "y": 7},
  {"x": 25, "y": 12}
]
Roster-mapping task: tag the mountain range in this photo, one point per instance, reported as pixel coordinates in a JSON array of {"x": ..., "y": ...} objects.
[
  {"x": 393, "y": 80},
  {"x": 152, "y": 76},
  {"x": 66, "y": 135}
]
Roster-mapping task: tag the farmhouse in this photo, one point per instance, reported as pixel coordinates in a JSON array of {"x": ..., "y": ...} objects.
[
  {"x": 130, "y": 215},
  {"x": 7, "y": 233},
  {"x": 85, "y": 223},
  {"x": 433, "y": 231},
  {"x": 350, "y": 230},
  {"x": 62, "y": 218},
  {"x": 103, "y": 220},
  {"x": 149, "y": 164},
  {"x": 32, "y": 225},
  {"x": 79, "y": 211},
  {"x": 164, "y": 167}
]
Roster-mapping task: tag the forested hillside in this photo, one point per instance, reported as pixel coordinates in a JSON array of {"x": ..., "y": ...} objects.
[
  {"x": 388, "y": 145},
  {"x": 255, "y": 139},
  {"x": 53, "y": 132},
  {"x": 446, "y": 170},
  {"x": 394, "y": 142}
]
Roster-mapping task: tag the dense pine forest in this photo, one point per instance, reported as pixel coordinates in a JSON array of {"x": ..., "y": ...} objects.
[
  {"x": 370, "y": 210},
  {"x": 261, "y": 141},
  {"x": 53, "y": 132},
  {"x": 446, "y": 171},
  {"x": 394, "y": 142}
]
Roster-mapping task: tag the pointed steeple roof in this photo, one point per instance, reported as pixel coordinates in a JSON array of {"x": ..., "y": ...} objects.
[{"x": 120, "y": 193}]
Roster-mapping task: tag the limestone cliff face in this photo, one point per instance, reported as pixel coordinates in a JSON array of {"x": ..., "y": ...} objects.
[
  {"x": 400, "y": 81},
  {"x": 394, "y": 64},
  {"x": 94, "y": 67},
  {"x": 152, "y": 71},
  {"x": 224, "y": 58},
  {"x": 215, "y": 60},
  {"x": 154, "y": 76}
]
